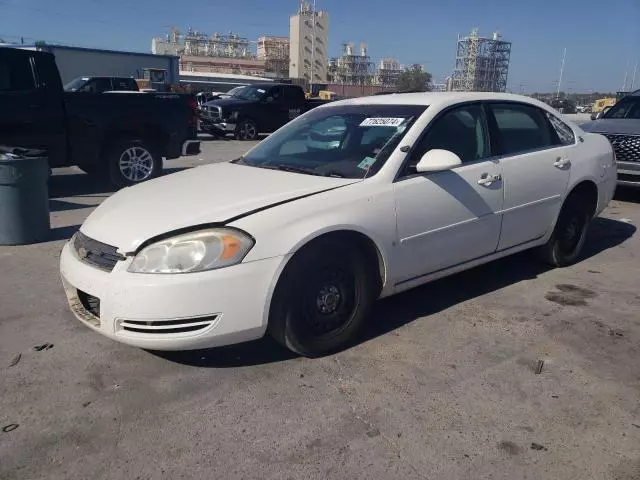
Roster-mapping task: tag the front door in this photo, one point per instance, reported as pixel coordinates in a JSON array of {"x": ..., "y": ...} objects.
[
  {"x": 536, "y": 153},
  {"x": 451, "y": 217}
]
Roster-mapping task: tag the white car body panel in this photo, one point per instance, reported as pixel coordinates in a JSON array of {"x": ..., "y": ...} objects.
[
  {"x": 199, "y": 196},
  {"x": 424, "y": 226},
  {"x": 459, "y": 228}
]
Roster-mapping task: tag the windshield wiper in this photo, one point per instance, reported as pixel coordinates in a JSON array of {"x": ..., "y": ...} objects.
[{"x": 290, "y": 168}]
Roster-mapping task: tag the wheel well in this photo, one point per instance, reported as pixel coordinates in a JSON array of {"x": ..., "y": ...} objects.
[
  {"x": 588, "y": 192},
  {"x": 151, "y": 136},
  {"x": 362, "y": 242}
]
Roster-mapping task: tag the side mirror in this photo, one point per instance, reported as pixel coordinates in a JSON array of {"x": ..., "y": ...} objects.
[
  {"x": 437, "y": 160},
  {"x": 594, "y": 116}
]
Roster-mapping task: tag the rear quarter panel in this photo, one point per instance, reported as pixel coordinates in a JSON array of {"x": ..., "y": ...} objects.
[{"x": 594, "y": 161}]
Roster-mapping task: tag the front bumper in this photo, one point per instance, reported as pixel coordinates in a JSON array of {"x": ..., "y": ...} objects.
[
  {"x": 629, "y": 174},
  {"x": 171, "y": 312},
  {"x": 219, "y": 126}
]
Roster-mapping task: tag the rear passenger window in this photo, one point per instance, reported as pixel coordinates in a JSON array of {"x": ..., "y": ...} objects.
[
  {"x": 16, "y": 75},
  {"x": 565, "y": 134},
  {"x": 123, "y": 84},
  {"x": 522, "y": 128}
]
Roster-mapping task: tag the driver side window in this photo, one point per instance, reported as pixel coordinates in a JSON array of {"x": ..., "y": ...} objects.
[{"x": 460, "y": 130}]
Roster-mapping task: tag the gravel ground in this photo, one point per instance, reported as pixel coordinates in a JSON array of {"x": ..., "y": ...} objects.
[{"x": 446, "y": 383}]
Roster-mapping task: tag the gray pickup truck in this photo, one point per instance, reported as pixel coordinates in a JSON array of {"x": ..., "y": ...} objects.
[{"x": 621, "y": 125}]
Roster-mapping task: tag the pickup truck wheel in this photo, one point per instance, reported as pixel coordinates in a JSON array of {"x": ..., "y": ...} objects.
[
  {"x": 246, "y": 130},
  {"x": 322, "y": 299},
  {"x": 132, "y": 162}
]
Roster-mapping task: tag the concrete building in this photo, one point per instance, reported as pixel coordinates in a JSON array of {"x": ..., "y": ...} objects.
[
  {"x": 240, "y": 66},
  {"x": 274, "y": 51},
  {"x": 309, "y": 36}
]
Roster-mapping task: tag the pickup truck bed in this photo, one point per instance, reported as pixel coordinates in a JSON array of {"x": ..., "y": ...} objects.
[{"x": 119, "y": 136}]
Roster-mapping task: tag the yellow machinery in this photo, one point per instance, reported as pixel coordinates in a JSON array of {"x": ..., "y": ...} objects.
[
  {"x": 599, "y": 104},
  {"x": 327, "y": 95}
]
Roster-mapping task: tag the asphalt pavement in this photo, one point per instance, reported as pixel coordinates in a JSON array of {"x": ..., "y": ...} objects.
[{"x": 508, "y": 371}]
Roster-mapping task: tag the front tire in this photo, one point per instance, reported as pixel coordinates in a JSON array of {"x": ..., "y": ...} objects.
[
  {"x": 568, "y": 237},
  {"x": 322, "y": 299},
  {"x": 246, "y": 130},
  {"x": 131, "y": 162}
]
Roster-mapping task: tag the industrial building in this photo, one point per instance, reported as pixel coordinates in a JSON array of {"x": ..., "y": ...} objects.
[
  {"x": 74, "y": 62},
  {"x": 274, "y": 51},
  {"x": 389, "y": 69},
  {"x": 199, "y": 52},
  {"x": 351, "y": 68},
  {"x": 309, "y": 41},
  {"x": 195, "y": 43},
  {"x": 482, "y": 64}
]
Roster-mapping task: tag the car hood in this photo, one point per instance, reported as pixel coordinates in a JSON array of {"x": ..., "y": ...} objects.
[
  {"x": 229, "y": 102},
  {"x": 624, "y": 126},
  {"x": 208, "y": 194}
]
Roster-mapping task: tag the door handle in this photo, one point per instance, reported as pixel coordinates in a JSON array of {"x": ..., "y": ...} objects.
[
  {"x": 561, "y": 162},
  {"x": 486, "y": 179}
]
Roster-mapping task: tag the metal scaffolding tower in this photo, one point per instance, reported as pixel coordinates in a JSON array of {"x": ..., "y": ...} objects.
[
  {"x": 352, "y": 69},
  {"x": 482, "y": 64}
]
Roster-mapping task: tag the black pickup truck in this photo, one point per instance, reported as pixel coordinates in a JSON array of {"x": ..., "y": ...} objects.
[
  {"x": 257, "y": 108},
  {"x": 119, "y": 136}
]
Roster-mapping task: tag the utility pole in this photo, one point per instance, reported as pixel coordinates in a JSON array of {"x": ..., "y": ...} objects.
[
  {"x": 564, "y": 57},
  {"x": 626, "y": 74}
]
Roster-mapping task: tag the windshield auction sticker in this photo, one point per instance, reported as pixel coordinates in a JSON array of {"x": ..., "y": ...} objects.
[{"x": 382, "y": 122}]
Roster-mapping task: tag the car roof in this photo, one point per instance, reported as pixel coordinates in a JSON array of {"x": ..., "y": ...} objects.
[{"x": 432, "y": 98}]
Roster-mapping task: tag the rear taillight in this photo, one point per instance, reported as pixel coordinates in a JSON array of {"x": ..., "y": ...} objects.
[{"x": 193, "y": 106}]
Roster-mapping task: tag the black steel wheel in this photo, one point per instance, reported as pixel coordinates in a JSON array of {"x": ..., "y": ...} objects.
[
  {"x": 322, "y": 299},
  {"x": 568, "y": 237}
]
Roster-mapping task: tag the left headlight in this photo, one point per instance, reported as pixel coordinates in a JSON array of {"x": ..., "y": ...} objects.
[{"x": 193, "y": 252}]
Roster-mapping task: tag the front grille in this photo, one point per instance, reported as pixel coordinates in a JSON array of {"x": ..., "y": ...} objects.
[
  {"x": 86, "y": 307},
  {"x": 96, "y": 253},
  {"x": 90, "y": 303},
  {"x": 164, "y": 327},
  {"x": 627, "y": 147}
]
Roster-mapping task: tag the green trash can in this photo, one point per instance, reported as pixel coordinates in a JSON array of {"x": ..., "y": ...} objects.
[{"x": 24, "y": 196}]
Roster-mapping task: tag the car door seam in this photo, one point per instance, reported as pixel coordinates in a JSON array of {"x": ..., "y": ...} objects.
[
  {"x": 446, "y": 227},
  {"x": 530, "y": 204}
]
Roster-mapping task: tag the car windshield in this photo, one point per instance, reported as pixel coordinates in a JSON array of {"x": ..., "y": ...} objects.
[
  {"x": 75, "y": 84},
  {"x": 628, "y": 107},
  {"x": 350, "y": 141},
  {"x": 249, "y": 93}
]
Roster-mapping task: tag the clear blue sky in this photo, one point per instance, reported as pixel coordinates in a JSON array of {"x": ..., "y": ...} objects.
[{"x": 601, "y": 36}]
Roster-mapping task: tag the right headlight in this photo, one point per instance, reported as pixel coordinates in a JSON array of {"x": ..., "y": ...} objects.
[{"x": 193, "y": 252}]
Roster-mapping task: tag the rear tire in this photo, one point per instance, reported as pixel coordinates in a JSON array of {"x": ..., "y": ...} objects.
[
  {"x": 568, "y": 237},
  {"x": 322, "y": 299},
  {"x": 246, "y": 130},
  {"x": 131, "y": 162}
]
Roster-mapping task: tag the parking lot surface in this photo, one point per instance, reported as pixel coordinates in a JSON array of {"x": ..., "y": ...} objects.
[{"x": 507, "y": 371}]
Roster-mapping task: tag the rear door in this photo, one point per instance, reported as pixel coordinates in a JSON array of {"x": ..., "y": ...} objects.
[
  {"x": 31, "y": 103},
  {"x": 536, "y": 163},
  {"x": 278, "y": 108}
]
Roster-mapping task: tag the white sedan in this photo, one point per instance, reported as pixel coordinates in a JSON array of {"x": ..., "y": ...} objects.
[{"x": 353, "y": 201}]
